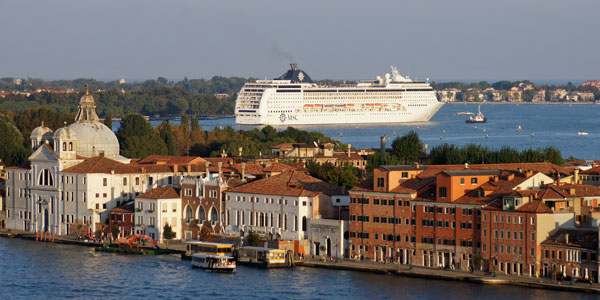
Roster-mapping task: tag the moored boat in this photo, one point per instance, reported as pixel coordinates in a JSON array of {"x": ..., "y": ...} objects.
[
  {"x": 264, "y": 257},
  {"x": 214, "y": 263}
]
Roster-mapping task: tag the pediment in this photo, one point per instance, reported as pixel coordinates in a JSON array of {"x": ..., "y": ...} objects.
[{"x": 43, "y": 154}]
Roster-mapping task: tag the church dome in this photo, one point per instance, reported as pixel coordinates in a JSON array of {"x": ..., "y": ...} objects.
[
  {"x": 94, "y": 139},
  {"x": 64, "y": 133},
  {"x": 39, "y": 132}
]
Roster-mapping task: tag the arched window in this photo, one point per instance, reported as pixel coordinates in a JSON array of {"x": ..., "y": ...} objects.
[
  {"x": 214, "y": 216},
  {"x": 46, "y": 178},
  {"x": 189, "y": 215},
  {"x": 304, "y": 223},
  {"x": 70, "y": 146},
  {"x": 64, "y": 146},
  {"x": 201, "y": 214}
]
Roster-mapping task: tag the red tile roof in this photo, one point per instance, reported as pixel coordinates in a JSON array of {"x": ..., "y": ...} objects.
[
  {"x": 578, "y": 238},
  {"x": 161, "y": 192},
  {"x": 535, "y": 206},
  {"x": 290, "y": 183}
]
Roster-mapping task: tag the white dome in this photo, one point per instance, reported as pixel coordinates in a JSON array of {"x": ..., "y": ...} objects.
[
  {"x": 64, "y": 133},
  {"x": 38, "y": 132},
  {"x": 94, "y": 139}
]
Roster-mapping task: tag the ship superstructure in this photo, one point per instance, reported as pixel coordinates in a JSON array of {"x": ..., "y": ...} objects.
[{"x": 293, "y": 99}]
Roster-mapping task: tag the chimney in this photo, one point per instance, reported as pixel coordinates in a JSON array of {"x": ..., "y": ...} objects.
[
  {"x": 243, "y": 171},
  {"x": 175, "y": 168},
  {"x": 349, "y": 147},
  {"x": 572, "y": 191},
  {"x": 426, "y": 149},
  {"x": 529, "y": 173},
  {"x": 466, "y": 165},
  {"x": 496, "y": 178},
  {"x": 510, "y": 176},
  {"x": 416, "y": 165},
  {"x": 206, "y": 166},
  {"x": 220, "y": 165},
  {"x": 575, "y": 175},
  {"x": 382, "y": 143},
  {"x": 566, "y": 238},
  {"x": 240, "y": 151},
  {"x": 189, "y": 168}
]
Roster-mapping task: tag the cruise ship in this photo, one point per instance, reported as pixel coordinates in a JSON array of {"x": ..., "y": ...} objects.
[{"x": 294, "y": 99}]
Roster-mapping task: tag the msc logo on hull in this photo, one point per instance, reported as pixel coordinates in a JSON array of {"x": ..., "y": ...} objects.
[{"x": 284, "y": 117}]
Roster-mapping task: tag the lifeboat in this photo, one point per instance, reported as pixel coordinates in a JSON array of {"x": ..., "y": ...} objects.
[
  {"x": 319, "y": 105},
  {"x": 369, "y": 105},
  {"x": 378, "y": 104},
  {"x": 350, "y": 105},
  {"x": 308, "y": 105}
]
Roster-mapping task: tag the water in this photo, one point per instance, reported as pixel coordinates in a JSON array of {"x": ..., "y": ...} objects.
[
  {"x": 32, "y": 270},
  {"x": 552, "y": 125}
]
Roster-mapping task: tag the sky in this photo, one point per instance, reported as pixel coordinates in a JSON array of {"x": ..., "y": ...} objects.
[{"x": 543, "y": 40}]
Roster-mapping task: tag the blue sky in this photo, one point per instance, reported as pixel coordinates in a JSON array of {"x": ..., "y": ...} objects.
[{"x": 444, "y": 40}]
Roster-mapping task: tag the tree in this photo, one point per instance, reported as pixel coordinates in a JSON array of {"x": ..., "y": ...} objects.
[
  {"x": 168, "y": 233},
  {"x": 115, "y": 231},
  {"x": 408, "y": 148},
  {"x": 108, "y": 121},
  {"x": 380, "y": 159},
  {"x": 254, "y": 239},
  {"x": 12, "y": 151},
  {"x": 138, "y": 138},
  {"x": 166, "y": 134}
]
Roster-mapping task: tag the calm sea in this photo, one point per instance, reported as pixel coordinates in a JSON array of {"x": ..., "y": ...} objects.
[
  {"x": 32, "y": 270},
  {"x": 541, "y": 126}
]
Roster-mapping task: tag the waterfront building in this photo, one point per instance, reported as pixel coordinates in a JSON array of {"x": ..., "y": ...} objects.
[
  {"x": 123, "y": 218},
  {"x": 203, "y": 204},
  {"x": 156, "y": 208},
  {"x": 328, "y": 237},
  {"x": 77, "y": 176},
  {"x": 571, "y": 253},
  {"x": 430, "y": 215},
  {"x": 279, "y": 206}
]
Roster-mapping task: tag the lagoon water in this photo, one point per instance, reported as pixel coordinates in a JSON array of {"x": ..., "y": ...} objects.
[
  {"x": 31, "y": 270},
  {"x": 552, "y": 125}
]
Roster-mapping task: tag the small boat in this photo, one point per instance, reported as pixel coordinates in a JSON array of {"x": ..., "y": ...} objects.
[
  {"x": 213, "y": 263},
  {"x": 583, "y": 133},
  {"x": 532, "y": 133},
  {"x": 464, "y": 113},
  {"x": 264, "y": 257},
  {"x": 518, "y": 128},
  {"x": 486, "y": 136},
  {"x": 479, "y": 118},
  {"x": 484, "y": 130},
  {"x": 444, "y": 131}
]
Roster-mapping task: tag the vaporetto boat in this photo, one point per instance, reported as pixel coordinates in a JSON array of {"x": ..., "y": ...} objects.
[{"x": 293, "y": 99}]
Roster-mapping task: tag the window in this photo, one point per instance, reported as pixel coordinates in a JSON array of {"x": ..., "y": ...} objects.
[
  {"x": 124, "y": 180},
  {"x": 443, "y": 192},
  {"x": 462, "y": 181},
  {"x": 380, "y": 182},
  {"x": 533, "y": 236},
  {"x": 137, "y": 181},
  {"x": 404, "y": 174},
  {"x": 474, "y": 180},
  {"x": 104, "y": 181},
  {"x": 532, "y": 220}
]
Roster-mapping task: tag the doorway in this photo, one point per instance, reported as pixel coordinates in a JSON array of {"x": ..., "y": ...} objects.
[{"x": 45, "y": 220}]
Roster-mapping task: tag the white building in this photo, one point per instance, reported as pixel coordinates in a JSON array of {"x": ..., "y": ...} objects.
[
  {"x": 278, "y": 206},
  {"x": 328, "y": 237},
  {"x": 156, "y": 208},
  {"x": 77, "y": 175}
]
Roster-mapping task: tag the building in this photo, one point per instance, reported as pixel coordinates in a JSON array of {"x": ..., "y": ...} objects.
[
  {"x": 431, "y": 215},
  {"x": 322, "y": 153},
  {"x": 279, "y": 206},
  {"x": 77, "y": 176},
  {"x": 157, "y": 208},
  {"x": 594, "y": 83},
  {"x": 571, "y": 253},
  {"x": 328, "y": 237},
  {"x": 203, "y": 204},
  {"x": 122, "y": 217}
]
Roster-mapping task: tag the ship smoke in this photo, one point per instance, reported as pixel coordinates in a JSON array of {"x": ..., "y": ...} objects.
[{"x": 282, "y": 54}]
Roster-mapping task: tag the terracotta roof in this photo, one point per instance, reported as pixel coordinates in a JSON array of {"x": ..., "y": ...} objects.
[
  {"x": 278, "y": 167},
  {"x": 161, "y": 192},
  {"x": 125, "y": 208},
  {"x": 340, "y": 156},
  {"x": 578, "y": 238},
  {"x": 402, "y": 167},
  {"x": 18, "y": 168},
  {"x": 592, "y": 171},
  {"x": 290, "y": 183},
  {"x": 168, "y": 159},
  {"x": 535, "y": 206},
  {"x": 98, "y": 164}
]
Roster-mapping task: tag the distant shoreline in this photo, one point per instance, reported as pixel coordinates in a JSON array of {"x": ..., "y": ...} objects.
[{"x": 520, "y": 102}]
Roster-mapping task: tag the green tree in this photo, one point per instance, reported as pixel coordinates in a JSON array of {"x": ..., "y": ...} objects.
[
  {"x": 108, "y": 121},
  {"x": 254, "y": 239},
  {"x": 346, "y": 176},
  {"x": 407, "y": 148},
  {"x": 138, "y": 138},
  {"x": 166, "y": 134},
  {"x": 168, "y": 233},
  {"x": 380, "y": 159},
  {"x": 12, "y": 150}
]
